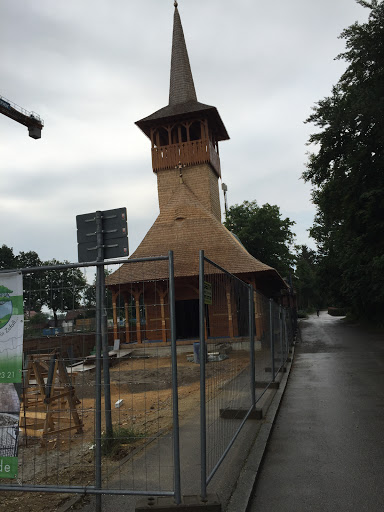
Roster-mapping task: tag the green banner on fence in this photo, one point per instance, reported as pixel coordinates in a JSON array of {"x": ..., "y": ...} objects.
[
  {"x": 8, "y": 467},
  {"x": 11, "y": 365},
  {"x": 11, "y": 327}
]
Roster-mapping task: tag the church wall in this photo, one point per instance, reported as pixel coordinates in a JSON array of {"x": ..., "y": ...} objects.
[
  {"x": 154, "y": 324},
  {"x": 185, "y": 289},
  {"x": 218, "y": 322}
]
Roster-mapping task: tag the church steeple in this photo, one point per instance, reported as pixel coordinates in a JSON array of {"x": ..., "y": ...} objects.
[
  {"x": 182, "y": 88},
  {"x": 185, "y": 134}
]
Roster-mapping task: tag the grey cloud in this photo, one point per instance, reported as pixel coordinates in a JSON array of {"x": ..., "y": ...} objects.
[{"x": 92, "y": 68}]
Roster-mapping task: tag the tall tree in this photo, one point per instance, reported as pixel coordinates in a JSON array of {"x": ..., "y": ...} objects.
[
  {"x": 7, "y": 257},
  {"x": 31, "y": 281},
  {"x": 264, "y": 233},
  {"x": 346, "y": 171},
  {"x": 62, "y": 289},
  {"x": 306, "y": 282},
  {"x": 89, "y": 298}
]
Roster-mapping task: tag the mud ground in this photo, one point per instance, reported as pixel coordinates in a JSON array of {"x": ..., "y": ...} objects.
[{"x": 144, "y": 385}]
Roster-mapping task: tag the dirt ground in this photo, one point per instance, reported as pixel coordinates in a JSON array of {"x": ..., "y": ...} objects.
[{"x": 144, "y": 386}]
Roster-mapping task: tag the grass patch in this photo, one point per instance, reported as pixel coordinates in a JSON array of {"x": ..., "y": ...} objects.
[{"x": 115, "y": 445}]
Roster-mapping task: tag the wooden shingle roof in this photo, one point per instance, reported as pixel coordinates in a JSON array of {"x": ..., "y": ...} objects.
[
  {"x": 182, "y": 88},
  {"x": 185, "y": 227}
]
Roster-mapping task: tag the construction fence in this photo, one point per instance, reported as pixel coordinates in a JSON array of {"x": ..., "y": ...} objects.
[{"x": 107, "y": 391}]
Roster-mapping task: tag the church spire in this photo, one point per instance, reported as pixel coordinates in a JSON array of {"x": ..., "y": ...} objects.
[
  {"x": 176, "y": 123},
  {"x": 182, "y": 88}
]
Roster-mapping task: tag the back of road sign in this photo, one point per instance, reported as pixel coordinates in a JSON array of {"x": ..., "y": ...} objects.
[{"x": 114, "y": 232}]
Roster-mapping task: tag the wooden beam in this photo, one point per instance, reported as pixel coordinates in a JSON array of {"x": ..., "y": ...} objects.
[
  {"x": 114, "y": 313},
  {"x": 126, "y": 311},
  {"x": 229, "y": 307}
]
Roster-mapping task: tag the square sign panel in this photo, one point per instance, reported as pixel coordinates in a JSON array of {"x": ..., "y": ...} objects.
[
  {"x": 117, "y": 248},
  {"x": 114, "y": 231}
]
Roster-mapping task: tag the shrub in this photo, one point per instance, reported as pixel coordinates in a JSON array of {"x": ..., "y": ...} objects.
[{"x": 114, "y": 446}]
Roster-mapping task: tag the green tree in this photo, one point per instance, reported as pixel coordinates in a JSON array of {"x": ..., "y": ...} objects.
[
  {"x": 62, "y": 289},
  {"x": 28, "y": 259},
  {"x": 264, "y": 233},
  {"x": 89, "y": 298},
  {"x": 306, "y": 281},
  {"x": 32, "y": 281},
  {"x": 346, "y": 172},
  {"x": 8, "y": 260},
  {"x": 7, "y": 257}
]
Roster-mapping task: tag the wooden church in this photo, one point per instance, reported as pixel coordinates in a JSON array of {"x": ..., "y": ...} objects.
[{"x": 185, "y": 137}]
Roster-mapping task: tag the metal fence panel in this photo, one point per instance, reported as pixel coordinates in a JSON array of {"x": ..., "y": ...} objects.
[
  {"x": 226, "y": 366},
  {"x": 262, "y": 343},
  {"x": 59, "y": 442},
  {"x": 65, "y": 443},
  {"x": 244, "y": 340}
]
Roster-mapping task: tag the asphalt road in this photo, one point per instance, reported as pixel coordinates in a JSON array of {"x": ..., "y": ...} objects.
[{"x": 326, "y": 450}]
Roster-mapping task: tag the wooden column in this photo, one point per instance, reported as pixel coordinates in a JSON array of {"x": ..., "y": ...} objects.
[
  {"x": 162, "y": 309},
  {"x": 257, "y": 312},
  {"x": 136, "y": 295},
  {"x": 258, "y": 317},
  {"x": 114, "y": 312},
  {"x": 169, "y": 129},
  {"x": 187, "y": 125},
  {"x": 230, "y": 319},
  {"x": 126, "y": 310}
]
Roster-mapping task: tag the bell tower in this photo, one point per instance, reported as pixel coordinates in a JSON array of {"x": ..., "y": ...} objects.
[{"x": 185, "y": 134}]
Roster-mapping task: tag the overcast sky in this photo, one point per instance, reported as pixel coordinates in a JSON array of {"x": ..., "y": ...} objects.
[{"x": 91, "y": 68}]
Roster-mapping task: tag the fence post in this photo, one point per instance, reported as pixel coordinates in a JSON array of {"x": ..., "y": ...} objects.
[
  {"x": 203, "y": 419},
  {"x": 175, "y": 398},
  {"x": 252, "y": 344},
  {"x": 286, "y": 330},
  {"x": 281, "y": 335},
  {"x": 271, "y": 335},
  {"x": 99, "y": 291}
]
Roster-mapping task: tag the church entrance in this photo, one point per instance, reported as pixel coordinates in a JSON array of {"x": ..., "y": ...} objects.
[{"x": 187, "y": 319}]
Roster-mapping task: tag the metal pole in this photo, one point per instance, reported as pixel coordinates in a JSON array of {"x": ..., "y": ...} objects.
[
  {"x": 107, "y": 379},
  {"x": 98, "y": 477},
  {"x": 203, "y": 419},
  {"x": 286, "y": 334},
  {"x": 83, "y": 264},
  {"x": 86, "y": 490},
  {"x": 252, "y": 344},
  {"x": 103, "y": 328},
  {"x": 271, "y": 333},
  {"x": 281, "y": 335},
  {"x": 175, "y": 398}
]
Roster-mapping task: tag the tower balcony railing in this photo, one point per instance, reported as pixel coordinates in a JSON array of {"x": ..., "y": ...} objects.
[{"x": 185, "y": 153}]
